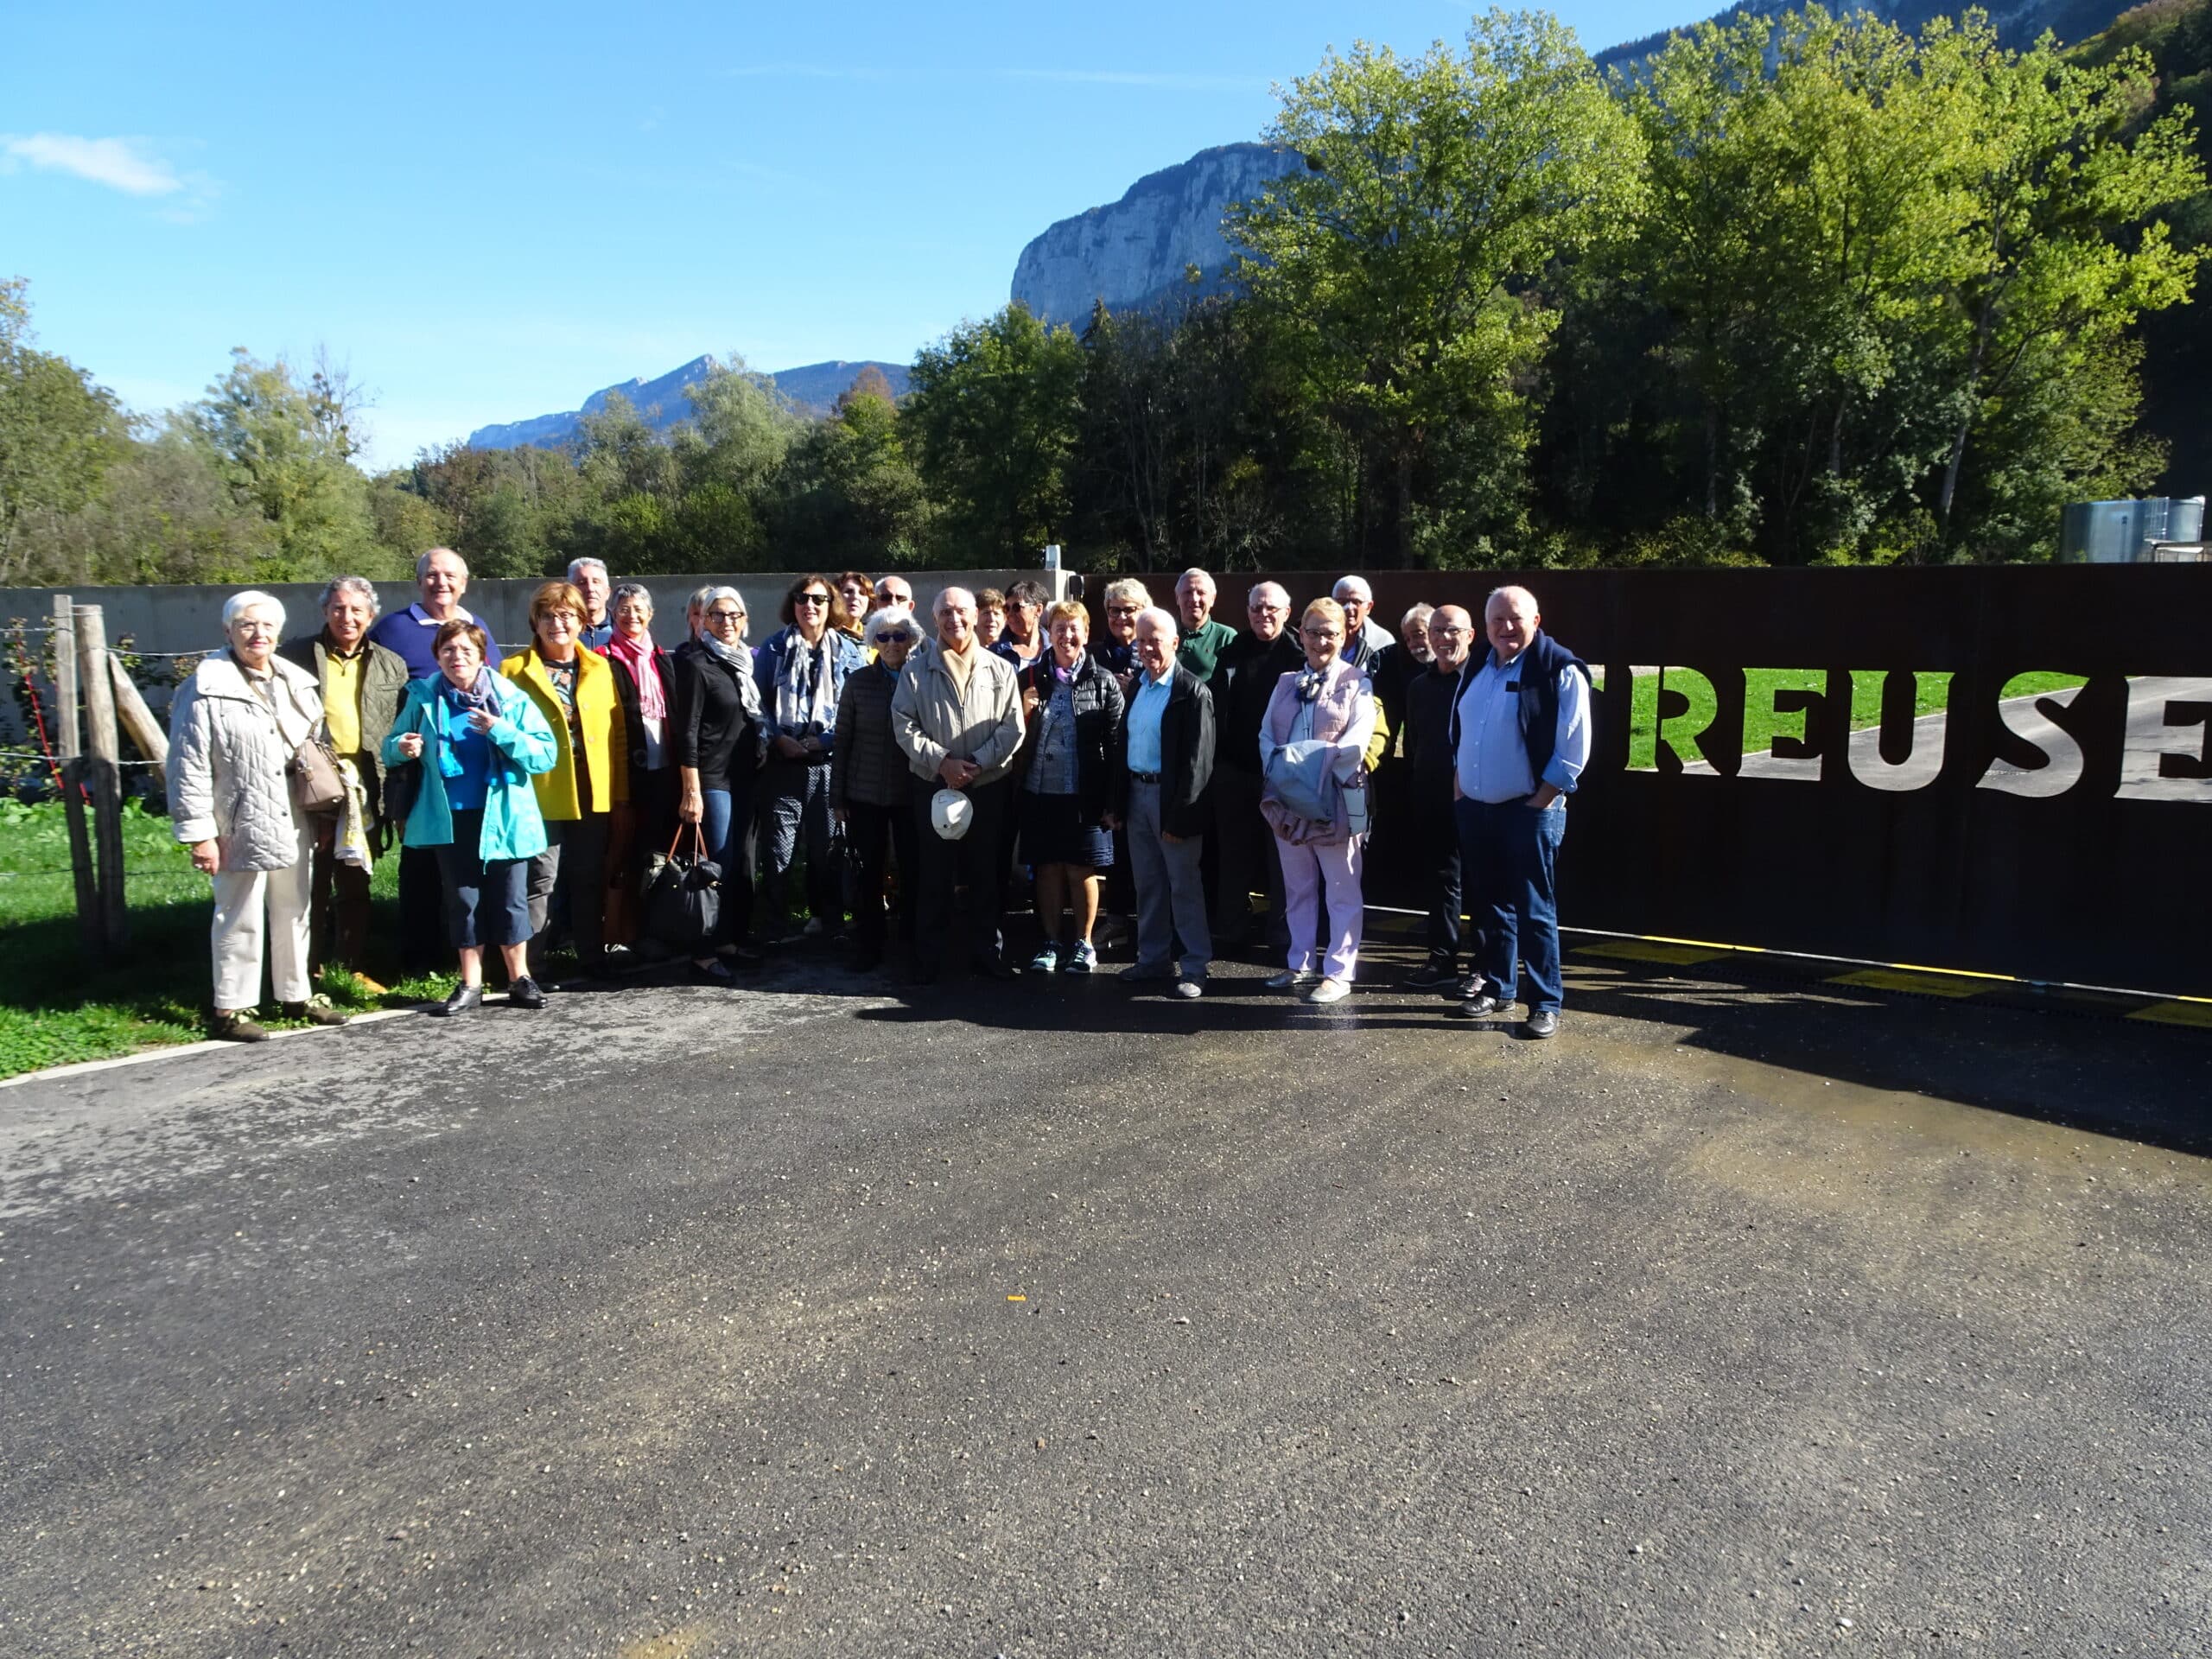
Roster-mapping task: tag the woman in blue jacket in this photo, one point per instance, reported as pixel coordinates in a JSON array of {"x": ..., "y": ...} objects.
[{"x": 479, "y": 739}]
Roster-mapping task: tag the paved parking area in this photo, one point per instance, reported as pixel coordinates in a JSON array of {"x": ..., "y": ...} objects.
[{"x": 1040, "y": 1319}]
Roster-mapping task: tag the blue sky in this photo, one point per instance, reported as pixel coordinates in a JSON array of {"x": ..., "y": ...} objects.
[{"x": 488, "y": 213}]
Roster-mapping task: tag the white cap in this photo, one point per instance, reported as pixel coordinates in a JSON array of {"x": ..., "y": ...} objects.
[{"x": 952, "y": 812}]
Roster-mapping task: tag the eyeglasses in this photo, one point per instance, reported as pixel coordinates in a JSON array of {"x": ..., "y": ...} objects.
[
  {"x": 725, "y": 616},
  {"x": 896, "y": 637},
  {"x": 813, "y": 599}
]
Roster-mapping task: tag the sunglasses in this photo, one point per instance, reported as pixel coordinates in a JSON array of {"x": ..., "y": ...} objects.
[
  {"x": 814, "y": 598},
  {"x": 896, "y": 637}
]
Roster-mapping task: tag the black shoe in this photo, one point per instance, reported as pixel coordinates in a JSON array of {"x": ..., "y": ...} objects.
[
  {"x": 241, "y": 1028},
  {"x": 996, "y": 968},
  {"x": 316, "y": 1013},
  {"x": 1433, "y": 974},
  {"x": 1478, "y": 1007},
  {"x": 465, "y": 999},
  {"x": 1544, "y": 1022},
  {"x": 525, "y": 994},
  {"x": 711, "y": 973}
]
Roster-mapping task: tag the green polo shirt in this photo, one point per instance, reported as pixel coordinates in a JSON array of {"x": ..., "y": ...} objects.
[{"x": 1202, "y": 649}]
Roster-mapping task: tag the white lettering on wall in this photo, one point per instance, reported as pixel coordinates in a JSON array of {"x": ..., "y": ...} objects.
[
  {"x": 2063, "y": 765},
  {"x": 1924, "y": 753},
  {"x": 2162, "y": 723}
]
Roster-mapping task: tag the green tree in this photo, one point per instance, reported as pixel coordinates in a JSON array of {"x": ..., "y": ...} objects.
[
  {"x": 287, "y": 451},
  {"x": 994, "y": 408},
  {"x": 59, "y": 434},
  {"x": 739, "y": 431},
  {"x": 1396, "y": 271},
  {"x": 851, "y": 495}
]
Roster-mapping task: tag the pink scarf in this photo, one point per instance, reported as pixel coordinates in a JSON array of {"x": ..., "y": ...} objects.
[{"x": 636, "y": 656}]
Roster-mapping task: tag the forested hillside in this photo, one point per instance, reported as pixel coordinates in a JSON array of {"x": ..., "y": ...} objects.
[{"x": 1799, "y": 289}]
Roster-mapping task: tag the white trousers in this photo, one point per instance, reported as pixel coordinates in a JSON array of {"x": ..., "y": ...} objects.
[{"x": 252, "y": 903}]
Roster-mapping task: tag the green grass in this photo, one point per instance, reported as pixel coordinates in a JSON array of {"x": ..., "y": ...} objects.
[
  {"x": 56, "y": 1008},
  {"x": 1932, "y": 694}
]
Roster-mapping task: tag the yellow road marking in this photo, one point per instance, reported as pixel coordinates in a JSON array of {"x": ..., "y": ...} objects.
[
  {"x": 1892, "y": 979},
  {"x": 678, "y": 1644},
  {"x": 2198, "y": 1015},
  {"x": 1680, "y": 955}
]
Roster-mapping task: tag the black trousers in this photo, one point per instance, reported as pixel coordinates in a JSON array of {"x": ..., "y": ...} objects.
[
  {"x": 338, "y": 905},
  {"x": 422, "y": 911},
  {"x": 974, "y": 863},
  {"x": 878, "y": 832},
  {"x": 1248, "y": 863},
  {"x": 1433, "y": 839},
  {"x": 568, "y": 881}
]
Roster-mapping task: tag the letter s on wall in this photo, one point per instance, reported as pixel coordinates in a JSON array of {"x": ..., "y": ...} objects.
[{"x": 2024, "y": 719}]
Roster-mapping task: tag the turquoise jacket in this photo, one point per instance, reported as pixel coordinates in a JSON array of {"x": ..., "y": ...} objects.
[{"x": 522, "y": 746}]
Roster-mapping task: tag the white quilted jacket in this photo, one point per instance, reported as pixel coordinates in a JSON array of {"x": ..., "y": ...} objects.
[{"x": 226, "y": 761}]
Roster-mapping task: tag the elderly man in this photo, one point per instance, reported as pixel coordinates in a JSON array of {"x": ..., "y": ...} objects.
[
  {"x": 1171, "y": 747},
  {"x": 1520, "y": 738},
  {"x": 362, "y": 683},
  {"x": 1432, "y": 826},
  {"x": 589, "y": 578},
  {"x": 1363, "y": 636},
  {"x": 894, "y": 593},
  {"x": 1243, "y": 680},
  {"x": 441, "y": 576},
  {"x": 1203, "y": 638},
  {"x": 957, "y": 714}
]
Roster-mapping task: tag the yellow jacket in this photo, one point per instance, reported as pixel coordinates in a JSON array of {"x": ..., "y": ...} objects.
[{"x": 599, "y": 715}]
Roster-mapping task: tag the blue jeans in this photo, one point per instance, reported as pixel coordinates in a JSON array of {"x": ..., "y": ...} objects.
[
  {"x": 1507, "y": 852},
  {"x": 725, "y": 817}
]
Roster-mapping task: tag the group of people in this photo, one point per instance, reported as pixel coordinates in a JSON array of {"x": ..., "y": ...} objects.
[{"x": 1170, "y": 770}]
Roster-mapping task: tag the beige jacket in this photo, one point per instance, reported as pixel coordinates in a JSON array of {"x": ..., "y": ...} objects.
[{"x": 932, "y": 719}]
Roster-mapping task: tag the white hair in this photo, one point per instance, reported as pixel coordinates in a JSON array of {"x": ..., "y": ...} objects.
[
  {"x": 1272, "y": 589},
  {"x": 360, "y": 585},
  {"x": 1126, "y": 588},
  {"x": 599, "y": 565},
  {"x": 1194, "y": 574},
  {"x": 1356, "y": 586},
  {"x": 944, "y": 596},
  {"x": 1163, "y": 621},
  {"x": 251, "y": 600},
  {"x": 1419, "y": 613},
  {"x": 1510, "y": 591},
  {"x": 636, "y": 590},
  {"x": 423, "y": 563},
  {"x": 885, "y": 619}
]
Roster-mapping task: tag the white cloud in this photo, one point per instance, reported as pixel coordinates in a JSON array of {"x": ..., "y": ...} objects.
[{"x": 120, "y": 163}]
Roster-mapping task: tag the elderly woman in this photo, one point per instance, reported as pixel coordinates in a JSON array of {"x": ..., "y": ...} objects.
[
  {"x": 718, "y": 740},
  {"x": 480, "y": 740},
  {"x": 589, "y": 781},
  {"x": 234, "y": 728},
  {"x": 1075, "y": 710},
  {"x": 1023, "y": 641},
  {"x": 871, "y": 787},
  {"x": 802, "y": 672},
  {"x": 1125, "y": 600},
  {"x": 1313, "y": 744},
  {"x": 645, "y": 678},
  {"x": 361, "y": 684}
]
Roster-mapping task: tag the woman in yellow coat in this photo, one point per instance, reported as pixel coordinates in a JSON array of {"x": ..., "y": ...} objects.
[{"x": 574, "y": 689}]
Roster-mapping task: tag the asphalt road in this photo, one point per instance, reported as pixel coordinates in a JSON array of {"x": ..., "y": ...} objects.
[{"x": 1041, "y": 1321}]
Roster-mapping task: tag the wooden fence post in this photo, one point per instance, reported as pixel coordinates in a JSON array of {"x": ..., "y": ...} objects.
[
  {"x": 65, "y": 677},
  {"x": 69, "y": 745},
  {"x": 105, "y": 776},
  {"x": 138, "y": 720}
]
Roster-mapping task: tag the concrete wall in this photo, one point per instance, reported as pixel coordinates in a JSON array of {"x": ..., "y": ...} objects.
[{"x": 165, "y": 620}]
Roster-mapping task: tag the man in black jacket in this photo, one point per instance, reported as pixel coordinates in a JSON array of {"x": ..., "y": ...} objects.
[
  {"x": 1430, "y": 821},
  {"x": 1243, "y": 680},
  {"x": 1170, "y": 752}
]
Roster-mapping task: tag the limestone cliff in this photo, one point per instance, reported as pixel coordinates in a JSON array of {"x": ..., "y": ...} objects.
[{"x": 1131, "y": 251}]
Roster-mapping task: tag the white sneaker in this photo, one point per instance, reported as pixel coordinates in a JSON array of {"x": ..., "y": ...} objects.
[
  {"x": 1330, "y": 990},
  {"x": 1290, "y": 978}
]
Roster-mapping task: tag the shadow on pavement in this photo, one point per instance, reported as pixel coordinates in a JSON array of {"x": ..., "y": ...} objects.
[{"x": 2142, "y": 1082}]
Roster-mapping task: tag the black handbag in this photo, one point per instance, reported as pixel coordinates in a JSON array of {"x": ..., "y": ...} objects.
[
  {"x": 403, "y": 784},
  {"x": 683, "y": 906}
]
